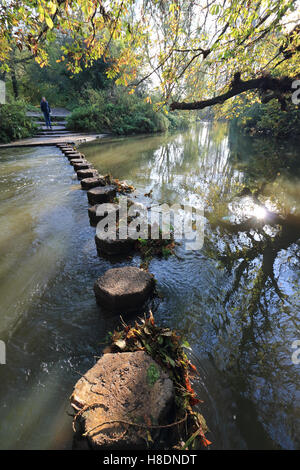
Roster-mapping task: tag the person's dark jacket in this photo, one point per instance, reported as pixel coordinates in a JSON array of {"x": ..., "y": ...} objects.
[{"x": 45, "y": 107}]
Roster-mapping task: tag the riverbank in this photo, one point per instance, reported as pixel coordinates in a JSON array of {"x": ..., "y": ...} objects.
[{"x": 40, "y": 135}]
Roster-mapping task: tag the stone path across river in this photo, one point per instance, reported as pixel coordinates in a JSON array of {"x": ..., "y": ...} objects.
[{"x": 57, "y": 135}]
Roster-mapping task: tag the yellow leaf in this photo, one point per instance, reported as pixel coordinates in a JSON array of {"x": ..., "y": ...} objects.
[
  {"x": 49, "y": 22},
  {"x": 52, "y": 7}
]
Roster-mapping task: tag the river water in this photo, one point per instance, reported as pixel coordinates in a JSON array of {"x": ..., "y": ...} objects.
[{"x": 236, "y": 300}]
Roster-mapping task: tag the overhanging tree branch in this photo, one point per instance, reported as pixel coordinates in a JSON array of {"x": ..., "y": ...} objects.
[{"x": 238, "y": 86}]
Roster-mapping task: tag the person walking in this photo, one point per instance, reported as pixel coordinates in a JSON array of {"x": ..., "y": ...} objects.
[{"x": 46, "y": 111}]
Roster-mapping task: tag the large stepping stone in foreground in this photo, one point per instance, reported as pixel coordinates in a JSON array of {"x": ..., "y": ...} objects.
[
  {"x": 124, "y": 288},
  {"x": 89, "y": 173},
  {"x": 127, "y": 386},
  {"x": 81, "y": 166},
  {"x": 101, "y": 194},
  {"x": 111, "y": 247},
  {"x": 88, "y": 183}
]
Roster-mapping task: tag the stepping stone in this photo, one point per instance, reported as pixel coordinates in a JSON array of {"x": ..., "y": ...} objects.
[
  {"x": 94, "y": 218},
  {"x": 70, "y": 154},
  {"x": 124, "y": 288},
  {"x": 77, "y": 160},
  {"x": 89, "y": 173},
  {"x": 122, "y": 390},
  {"x": 82, "y": 166},
  {"x": 112, "y": 247},
  {"x": 88, "y": 183},
  {"x": 101, "y": 194},
  {"x": 74, "y": 155}
]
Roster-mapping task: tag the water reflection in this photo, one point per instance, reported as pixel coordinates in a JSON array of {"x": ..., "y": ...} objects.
[
  {"x": 224, "y": 298},
  {"x": 250, "y": 298}
]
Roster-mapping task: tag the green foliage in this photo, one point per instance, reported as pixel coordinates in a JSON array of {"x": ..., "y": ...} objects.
[
  {"x": 192, "y": 49},
  {"x": 153, "y": 374},
  {"x": 14, "y": 124},
  {"x": 270, "y": 119},
  {"x": 120, "y": 113},
  {"x": 149, "y": 248},
  {"x": 56, "y": 82}
]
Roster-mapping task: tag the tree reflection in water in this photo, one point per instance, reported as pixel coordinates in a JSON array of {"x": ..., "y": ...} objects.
[
  {"x": 255, "y": 234},
  {"x": 239, "y": 295}
]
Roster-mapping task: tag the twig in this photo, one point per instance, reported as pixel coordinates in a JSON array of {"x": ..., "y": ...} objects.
[{"x": 130, "y": 423}]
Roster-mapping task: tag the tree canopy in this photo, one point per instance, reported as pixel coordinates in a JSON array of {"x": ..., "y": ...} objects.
[{"x": 197, "y": 53}]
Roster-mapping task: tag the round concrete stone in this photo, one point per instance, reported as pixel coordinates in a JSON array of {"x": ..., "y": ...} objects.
[
  {"x": 101, "y": 194},
  {"x": 71, "y": 156},
  {"x": 81, "y": 166},
  {"x": 124, "y": 288},
  {"x": 119, "y": 388},
  {"x": 88, "y": 183},
  {"x": 112, "y": 247},
  {"x": 73, "y": 161},
  {"x": 94, "y": 218},
  {"x": 89, "y": 173}
]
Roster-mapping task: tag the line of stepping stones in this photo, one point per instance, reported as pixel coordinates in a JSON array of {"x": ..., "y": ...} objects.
[
  {"x": 100, "y": 421},
  {"x": 119, "y": 289}
]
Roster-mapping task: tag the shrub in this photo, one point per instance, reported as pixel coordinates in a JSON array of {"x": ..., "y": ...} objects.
[
  {"x": 270, "y": 119},
  {"x": 14, "y": 124},
  {"x": 119, "y": 113}
]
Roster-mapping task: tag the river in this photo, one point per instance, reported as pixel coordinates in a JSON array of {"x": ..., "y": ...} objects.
[{"x": 239, "y": 316}]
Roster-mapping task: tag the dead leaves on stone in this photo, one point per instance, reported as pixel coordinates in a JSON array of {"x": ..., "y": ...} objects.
[
  {"x": 166, "y": 347},
  {"x": 122, "y": 186}
]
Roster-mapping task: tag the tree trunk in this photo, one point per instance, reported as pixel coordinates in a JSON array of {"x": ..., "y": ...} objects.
[{"x": 14, "y": 82}]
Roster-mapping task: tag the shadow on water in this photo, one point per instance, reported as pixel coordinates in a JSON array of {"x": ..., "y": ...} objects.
[{"x": 236, "y": 299}]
